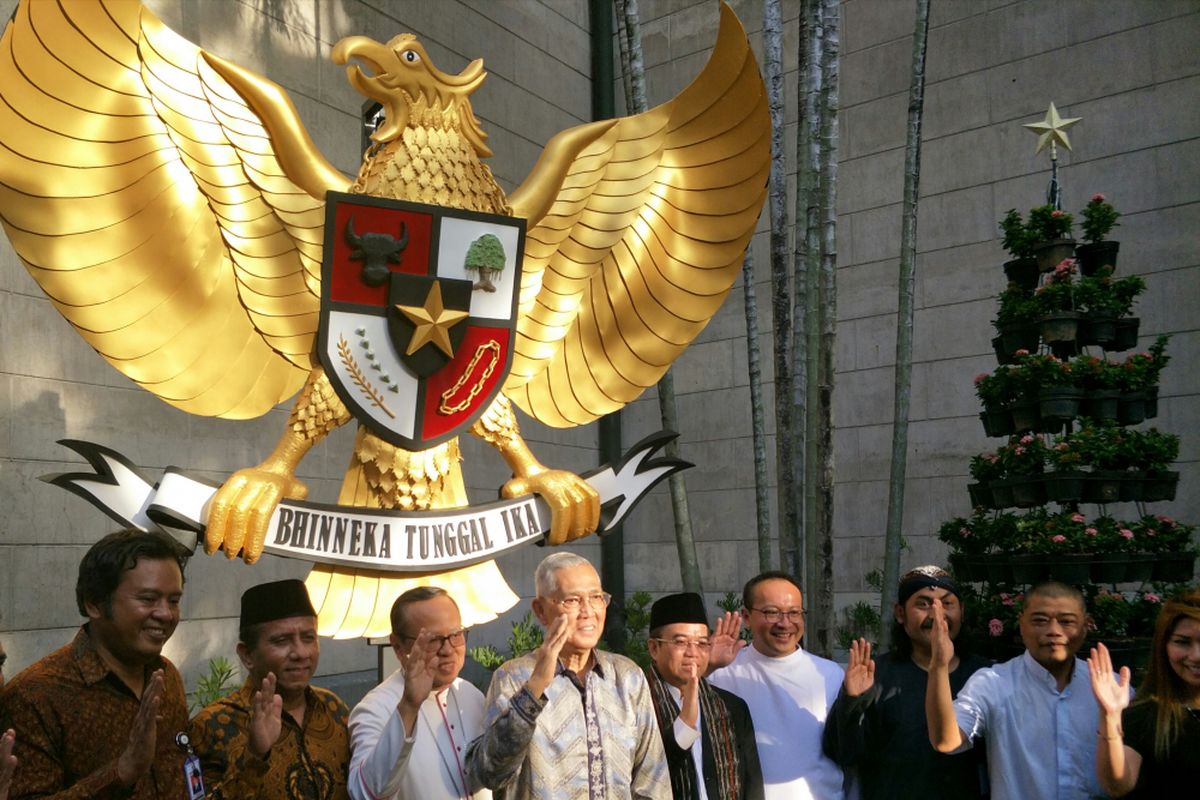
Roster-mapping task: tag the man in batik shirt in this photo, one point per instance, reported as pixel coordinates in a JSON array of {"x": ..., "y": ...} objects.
[
  {"x": 569, "y": 722},
  {"x": 277, "y": 736}
]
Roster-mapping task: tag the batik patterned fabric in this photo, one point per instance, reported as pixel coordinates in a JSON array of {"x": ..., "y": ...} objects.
[
  {"x": 308, "y": 762},
  {"x": 73, "y": 715},
  {"x": 589, "y": 739}
]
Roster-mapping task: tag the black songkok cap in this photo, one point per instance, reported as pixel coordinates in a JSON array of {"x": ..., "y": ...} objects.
[
  {"x": 684, "y": 607},
  {"x": 920, "y": 578},
  {"x": 276, "y": 600}
]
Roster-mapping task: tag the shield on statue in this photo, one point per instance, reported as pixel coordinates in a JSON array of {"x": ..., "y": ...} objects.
[{"x": 418, "y": 313}]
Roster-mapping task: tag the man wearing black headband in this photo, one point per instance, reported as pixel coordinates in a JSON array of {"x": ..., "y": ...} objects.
[
  {"x": 277, "y": 736},
  {"x": 707, "y": 732},
  {"x": 877, "y": 724}
]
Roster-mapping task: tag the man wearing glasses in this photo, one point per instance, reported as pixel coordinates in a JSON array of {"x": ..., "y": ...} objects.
[
  {"x": 707, "y": 732},
  {"x": 789, "y": 691},
  {"x": 568, "y": 721},
  {"x": 409, "y": 735}
]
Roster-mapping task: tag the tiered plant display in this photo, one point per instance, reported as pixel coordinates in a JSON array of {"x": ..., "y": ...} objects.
[{"x": 1064, "y": 396}]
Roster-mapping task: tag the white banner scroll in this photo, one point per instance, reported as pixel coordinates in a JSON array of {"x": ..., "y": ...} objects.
[{"x": 398, "y": 541}]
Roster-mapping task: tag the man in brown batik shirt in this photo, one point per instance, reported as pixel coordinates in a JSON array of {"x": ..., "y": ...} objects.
[
  {"x": 278, "y": 736},
  {"x": 98, "y": 717}
]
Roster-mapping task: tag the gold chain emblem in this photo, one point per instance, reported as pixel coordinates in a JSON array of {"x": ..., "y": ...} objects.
[{"x": 492, "y": 346}]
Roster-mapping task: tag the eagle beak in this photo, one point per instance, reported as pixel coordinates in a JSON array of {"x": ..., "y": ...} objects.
[{"x": 364, "y": 48}]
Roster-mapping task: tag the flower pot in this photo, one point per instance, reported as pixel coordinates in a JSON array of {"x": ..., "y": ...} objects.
[
  {"x": 1070, "y": 568},
  {"x": 1101, "y": 329},
  {"x": 1025, "y": 416},
  {"x": 1133, "y": 486},
  {"x": 1159, "y": 486},
  {"x": 1002, "y": 493},
  {"x": 1060, "y": 327},
  {"x": 1151, "y": 401},
  {"x": 1095, "y": 256},
  {"x": 1131, "y": 408},
  {"x": 981, "y": 495},
  {"x": 1064, "y": 487},
  {"x": 1126, "y": 335},
  {"x": 1050, "y": 253},
  {"x": 1002, "y": 356},
  {"x": 1174, "y": 567},
  {"x": 1139, "y": 567},
  {"x": 998, "y": 567},
  {"x": 996, "y": 421},
  {"x": 1022, "y": 336},
  {"x": 968, "y": 568},
  {"x": 1101, "y": 404},
  {"x": 1103, "y": 486},
  {"x": 1108, "y": 567},
  {"x": 1059, "y": 404},
  {"x": 1023, "y": 272},
  {"x": 1028, "y": 491},
  {"x": 1029, "y": 568}
]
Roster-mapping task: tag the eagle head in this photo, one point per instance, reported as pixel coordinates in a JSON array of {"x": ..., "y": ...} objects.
[{"x": 402, "y": 78}]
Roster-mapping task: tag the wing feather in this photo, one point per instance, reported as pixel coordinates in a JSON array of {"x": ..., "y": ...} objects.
[
  {"x": 144, "y": 195},
  {"x": 642, "y": 240}
]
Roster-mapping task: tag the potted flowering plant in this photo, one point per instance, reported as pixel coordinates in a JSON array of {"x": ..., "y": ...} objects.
[
  {"x": 985, "y": 469},
  {"x": 1065, "y": 481},
  {"x": 1024, "y": 461},
  {"x": 1098, "y": 218},
  {"x": 995, "y": 391},
  {"x": 1104, "y": 301},
  {"x": 1051, "y": 545},
  {"x": 1139, "y": 382},
  {"x": 1153, "y": 452},
  {"x": 1051, "y": 228},
  {"x": 1172, "y": 543},
  {"x": 1016, "y": 323},
  {"x": 1018, "y": 240},
  {"x": 1050, "y": 380},
  {"x": 1055, "y": 300},
  {"x": 1100, "y": 380},
  {"x": 1103, "y": 448}
]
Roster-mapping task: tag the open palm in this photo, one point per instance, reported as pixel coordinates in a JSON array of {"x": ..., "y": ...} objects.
[
  {"x": 860, "y": 672},
  {"x": 1111, "y": 691}
]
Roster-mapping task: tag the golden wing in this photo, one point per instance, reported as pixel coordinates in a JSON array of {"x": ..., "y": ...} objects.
[
  {"x": 637, "y": 230},
  {"x": 145, "y": 198}
]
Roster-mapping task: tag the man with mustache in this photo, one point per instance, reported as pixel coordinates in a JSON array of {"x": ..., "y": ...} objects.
[
  {"x": 707, "y": 732},
  {"x": 877, "y": 724},
  {"x": 788, "y": 690},
  {"x": 409, "y": 735},
  {"x": 99, "y": 717},
  {"x": 569, "y": 721},
  {"x": 278, "y": 736},
  {"x": 1035, "y": 711}
]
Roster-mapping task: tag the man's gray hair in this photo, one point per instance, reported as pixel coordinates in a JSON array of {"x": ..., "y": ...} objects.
[{"x": 545, "y": 578}]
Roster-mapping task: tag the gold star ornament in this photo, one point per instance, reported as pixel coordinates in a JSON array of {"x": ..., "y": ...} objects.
[
  {"x": 1052, "y": 130},
  {"x": 433, "y": 321}
]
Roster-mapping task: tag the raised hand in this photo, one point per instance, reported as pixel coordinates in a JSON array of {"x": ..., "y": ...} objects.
[
  {"x": 266, "y": 718},
  {"x": 546, "y": 656},
  {"x": 138, "y": 755},
  {"x": 941, "y": 646},
  {"x": 689, "y": 710},
  {"x": 726, "y": 640},
  {"x": 1112, "y": 692},
  {"x": 860, "y": 672},
  {"x": 8, "y": 762}
]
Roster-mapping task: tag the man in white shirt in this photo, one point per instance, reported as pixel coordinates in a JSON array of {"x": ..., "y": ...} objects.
[
  {"x": 409, "y": 735},
  {"x": 789, "y": 691},
  {"x": 1036, "y": 711}
]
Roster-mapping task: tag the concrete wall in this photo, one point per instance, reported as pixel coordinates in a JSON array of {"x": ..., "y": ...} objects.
[{"x": 1129, "y": 69}]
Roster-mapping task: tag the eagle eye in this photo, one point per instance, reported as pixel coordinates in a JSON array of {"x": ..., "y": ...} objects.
[{"x": 411, "y": 56}]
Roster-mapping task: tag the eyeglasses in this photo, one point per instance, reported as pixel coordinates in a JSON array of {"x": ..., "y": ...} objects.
[
  {"x": 456, "y": 639},
  {"x": 682, "y": 644},
  {"x": 773, "y": 615},
  {"x": 575, "y": 602}
]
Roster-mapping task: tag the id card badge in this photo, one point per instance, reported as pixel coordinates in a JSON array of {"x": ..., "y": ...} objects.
[{"x": 193, "y": 775}]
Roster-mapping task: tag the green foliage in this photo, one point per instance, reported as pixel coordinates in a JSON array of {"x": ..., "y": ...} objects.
[
  {"x": 859, "y": 620},
  {"x": 1047, "y": 223},
  {"x": 637, "y": 622},
  {"x": 486, "y": 656},
  {"x": 486, "y": 252},
  {"x": 525, "y": 637},
  {"x": 732, "y": 602},
  {"x": 1018, "y": 240},
  {"x": 1141, "y": 370},
  {"x": 1100, "y": 294},
  {"x": 1017, "y": 307},
  {"x": 220, "y": 680},
  {"x": 1099, "y": 217}
]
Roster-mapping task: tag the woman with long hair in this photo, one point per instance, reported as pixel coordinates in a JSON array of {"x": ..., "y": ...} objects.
[{"x": 1152, "y": 746}]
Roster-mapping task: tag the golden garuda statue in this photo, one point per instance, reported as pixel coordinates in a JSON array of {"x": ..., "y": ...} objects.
[{"x": 177, "y": 214}]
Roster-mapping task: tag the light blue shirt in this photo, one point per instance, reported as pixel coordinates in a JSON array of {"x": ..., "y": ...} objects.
[{"x": 1041, "y": 743}]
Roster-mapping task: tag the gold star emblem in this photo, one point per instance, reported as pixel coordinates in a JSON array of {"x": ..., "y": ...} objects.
[
  {"x": 1051, "y": 130},
  {"x": 433, "y": 322}
]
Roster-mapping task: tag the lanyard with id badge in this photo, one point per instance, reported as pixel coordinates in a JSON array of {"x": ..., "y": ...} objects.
[{"x": 193, "y": 776}]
